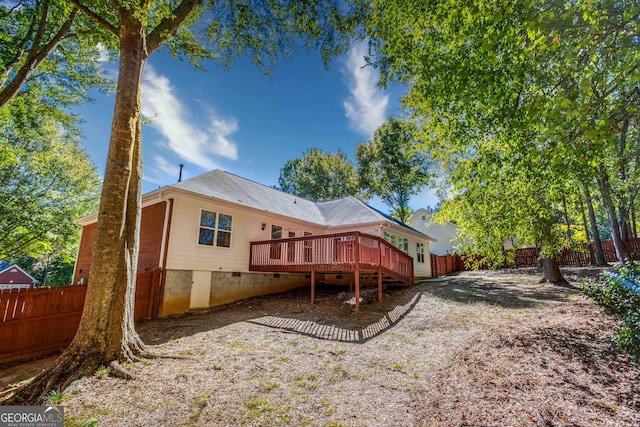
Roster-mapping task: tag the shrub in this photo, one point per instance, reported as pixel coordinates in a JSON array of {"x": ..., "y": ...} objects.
[
  {"x": 628, "y": 337},
  {"x": 619, "y": 293}
]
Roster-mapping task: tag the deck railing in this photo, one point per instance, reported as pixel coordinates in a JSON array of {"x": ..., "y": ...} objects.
[{"x": 331, "y": 252}]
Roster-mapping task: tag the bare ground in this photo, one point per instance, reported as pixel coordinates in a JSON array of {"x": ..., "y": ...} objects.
[{"x": 480, "y": 349}]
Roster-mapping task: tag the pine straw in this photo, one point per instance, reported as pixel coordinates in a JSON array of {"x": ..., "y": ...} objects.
[
  {"x": 483, "y": 349},
  {"x": 557, "y": 369}
]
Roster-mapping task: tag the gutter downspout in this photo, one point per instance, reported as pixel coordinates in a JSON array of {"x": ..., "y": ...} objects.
[
  {"x": 75, "y": 266},
  {"x": 166, "y": 234}
]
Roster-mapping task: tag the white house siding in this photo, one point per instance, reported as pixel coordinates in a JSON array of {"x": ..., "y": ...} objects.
[
  {"x": 228, "y": 268},
  {"x": 445, "y": 234},
  {"x": 420, "y": 269},
  {"x": 186, "y": 254}
]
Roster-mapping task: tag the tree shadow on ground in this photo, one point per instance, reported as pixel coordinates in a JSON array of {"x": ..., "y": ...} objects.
[
  {"x": 329, "y": 318},
  {"x": 502, "y": 291}
]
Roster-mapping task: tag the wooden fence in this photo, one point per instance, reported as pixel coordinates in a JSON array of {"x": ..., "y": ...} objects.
[
  {"x": 441, "y": 265},
  {"x": 37, "y": 322},
  {"x": 528, "y": 257}
]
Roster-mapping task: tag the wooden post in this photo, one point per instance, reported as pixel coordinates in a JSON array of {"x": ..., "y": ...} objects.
[
  {"x": 379, "y": 271},
  {"x": 357, "y": 276},
  {"x": 357, "y": 269},
  {"x": 313, "y": 287}
]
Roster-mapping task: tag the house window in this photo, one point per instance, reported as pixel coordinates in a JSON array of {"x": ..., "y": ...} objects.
[
  {"x": 276, "y": 232},
  {"x": 420, "y": 252},
  {"x": 401, "y": 243},
  {"x": 275, "y": 251},
  {"x": 215, "y": 229}
]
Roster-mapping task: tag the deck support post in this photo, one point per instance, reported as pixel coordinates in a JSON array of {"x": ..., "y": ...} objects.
[
  {"x": 357, "y": 277},
  {"x": 380, "y": 285},
  {"x": 313, "y": 287}
]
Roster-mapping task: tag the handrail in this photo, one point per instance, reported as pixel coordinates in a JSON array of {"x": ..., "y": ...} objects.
[{"x": 331, "y": 252}]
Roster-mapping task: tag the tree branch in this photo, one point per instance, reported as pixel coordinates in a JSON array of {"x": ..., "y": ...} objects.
[
  {"x": 168, "y": 27},
  {"x": 10, "y": 11},
  {"x": 20, "y": 52},
  {"x": 41, "y": 27},
  {"x": 97, "y": 18},
  {"x": 35, "y": 58}
]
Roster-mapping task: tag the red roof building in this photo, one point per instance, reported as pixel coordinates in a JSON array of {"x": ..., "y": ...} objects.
[{"x": 13, "y": 277}]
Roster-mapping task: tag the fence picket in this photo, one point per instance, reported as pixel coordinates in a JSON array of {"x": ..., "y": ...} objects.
[
  {"x": 36, "y": 322},
  {"x": 528, "y": 257}
]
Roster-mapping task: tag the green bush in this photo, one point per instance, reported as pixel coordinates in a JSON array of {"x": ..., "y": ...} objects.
[{"x": 622, "y": 301}]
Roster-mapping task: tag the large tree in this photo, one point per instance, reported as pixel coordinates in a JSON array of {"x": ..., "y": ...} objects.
[
  {"x": 319, "y": 176},
  {"x": 531, "y": 76},
  {"x": 393, "y": 167},
  {"x": 46, "y": 181},
  {"x": 264, "y": 30}
]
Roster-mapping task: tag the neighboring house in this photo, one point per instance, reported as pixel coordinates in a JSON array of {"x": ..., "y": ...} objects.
[
  {"x": 445, "y": 234},
  {"x": 219, "y": 238},
  {"x": 13, "y": 277}
]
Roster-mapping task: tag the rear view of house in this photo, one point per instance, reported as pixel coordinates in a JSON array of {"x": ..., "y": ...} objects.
[{"x": 219, "y": 238}]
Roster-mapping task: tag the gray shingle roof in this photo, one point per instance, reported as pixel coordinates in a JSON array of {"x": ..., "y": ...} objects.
[
  {"x": 232, "y": 188},
  {"x": 235, "y": 189},
  {"x": 347, "y": 211}
]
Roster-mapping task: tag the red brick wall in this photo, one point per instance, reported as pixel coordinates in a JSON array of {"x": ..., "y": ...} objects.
[
  {"x": 151, "y": 226},
  {"x": 83, "y": 263},
  {"x": 151, "y": 236}
]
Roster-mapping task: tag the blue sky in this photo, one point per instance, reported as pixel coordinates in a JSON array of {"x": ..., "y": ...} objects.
[{"x": 246, "y": 123}]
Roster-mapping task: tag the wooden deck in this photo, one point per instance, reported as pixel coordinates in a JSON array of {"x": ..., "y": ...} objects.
[{"x": 353, "y": 253}]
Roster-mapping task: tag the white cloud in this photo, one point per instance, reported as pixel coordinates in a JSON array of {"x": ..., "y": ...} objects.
[
  {"x": 196, "y": 143},
  {"x": 366, "y": 107},
  {"x": 165, "y": 167}
]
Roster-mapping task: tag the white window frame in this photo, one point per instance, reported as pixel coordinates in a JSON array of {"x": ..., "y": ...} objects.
[
  {"x": 215, "y": 229},
  {"x": 420, "y": 252}
]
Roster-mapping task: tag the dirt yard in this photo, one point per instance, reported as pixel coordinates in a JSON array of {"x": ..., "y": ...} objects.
[{"x": 480, "y": 349}]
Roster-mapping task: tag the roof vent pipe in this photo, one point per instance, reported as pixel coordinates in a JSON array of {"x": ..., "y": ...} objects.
[{"x": 180, "y": 175}]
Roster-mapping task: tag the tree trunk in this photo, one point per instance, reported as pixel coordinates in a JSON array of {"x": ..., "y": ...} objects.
[
  {"x": 634, "y": 228},
  {"x": 551, "y": 271},
  {"x": 576, "y": 258},
  {"x": 623, "y": 219},
  {"x": 104, "y": 331},
  {"x": 132, "y": 344},
  {"x": 597, "y": 243},
  {"x": 605, "y": 188},
  {"x": 623, "y": 215},
  {"x": 585, "y": 226}
]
